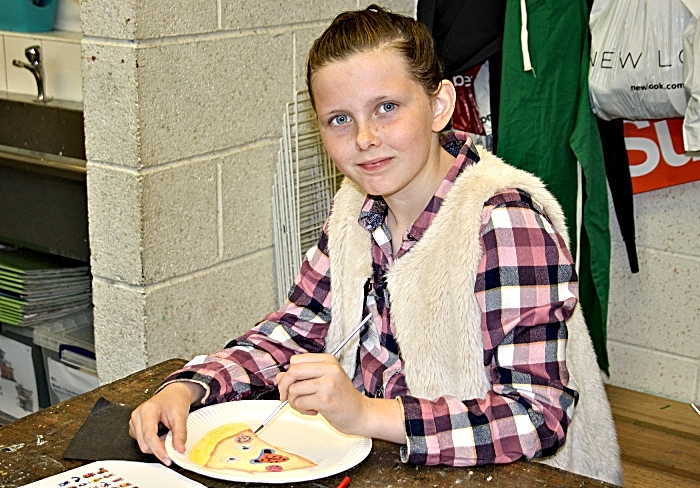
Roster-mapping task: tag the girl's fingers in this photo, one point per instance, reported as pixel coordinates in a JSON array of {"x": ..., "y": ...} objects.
[
  {"x": 179, "y": 430},
  {"x": 146, "y": 435},
  {"x": 311, "y": 358},
  {"x": 157, "y": 447},
  {"x": 305, "y": 397},
  {"x": 143, "y": 426},
  {"x": 171, "y": 407},
  {"x": 300, "y": 372},
  {"x": 135, "y": 431}
]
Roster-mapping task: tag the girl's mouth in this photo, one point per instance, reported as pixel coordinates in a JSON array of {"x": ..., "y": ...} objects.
[{"x": 375, "y": 164}]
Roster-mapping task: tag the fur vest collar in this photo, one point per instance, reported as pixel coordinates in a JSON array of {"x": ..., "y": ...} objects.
[{"x": 437, "y": 317}]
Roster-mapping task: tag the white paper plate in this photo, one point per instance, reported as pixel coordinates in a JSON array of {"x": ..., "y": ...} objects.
[{"x": 308, "y": 436}]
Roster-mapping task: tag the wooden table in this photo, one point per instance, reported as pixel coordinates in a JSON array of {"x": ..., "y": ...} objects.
[
  {"x": 659, "y": 439},
  {"x": 58, "y": 424}
]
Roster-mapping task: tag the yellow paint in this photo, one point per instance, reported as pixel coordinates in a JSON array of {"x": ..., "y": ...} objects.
[{"x": 201, "y": 452}]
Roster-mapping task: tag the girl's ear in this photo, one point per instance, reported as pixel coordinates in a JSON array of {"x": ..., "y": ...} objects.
[{"x": 443, "y": 105}]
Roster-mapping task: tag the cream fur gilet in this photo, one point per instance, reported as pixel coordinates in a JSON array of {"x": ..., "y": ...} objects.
[{"x": 436, "y": 315}]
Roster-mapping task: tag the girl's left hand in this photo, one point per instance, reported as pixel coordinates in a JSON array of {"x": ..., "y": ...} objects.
[{"x": 316, "y": 383}]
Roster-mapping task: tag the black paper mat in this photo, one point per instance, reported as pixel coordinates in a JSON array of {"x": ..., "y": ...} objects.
[{"x": 105, "y": 436}]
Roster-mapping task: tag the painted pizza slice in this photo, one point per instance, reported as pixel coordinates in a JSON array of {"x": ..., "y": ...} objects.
[{"x": 236, "y": 447}]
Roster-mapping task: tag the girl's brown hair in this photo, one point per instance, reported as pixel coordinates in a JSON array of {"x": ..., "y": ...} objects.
[{"x": 372, "y": 29}]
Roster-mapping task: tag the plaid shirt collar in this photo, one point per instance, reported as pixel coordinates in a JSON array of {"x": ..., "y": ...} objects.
[{"x": 458, "y": 144}]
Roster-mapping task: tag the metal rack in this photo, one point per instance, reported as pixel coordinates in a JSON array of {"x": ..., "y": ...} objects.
[{"x": 304, "y": 184}]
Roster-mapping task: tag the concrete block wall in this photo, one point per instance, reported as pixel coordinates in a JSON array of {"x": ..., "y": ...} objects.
[
  {"x": 653, "y": 332},
  {"x": 183, "y": 110}
]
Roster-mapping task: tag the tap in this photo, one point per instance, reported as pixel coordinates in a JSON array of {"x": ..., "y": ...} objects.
[{"x": 33, "y": 54}]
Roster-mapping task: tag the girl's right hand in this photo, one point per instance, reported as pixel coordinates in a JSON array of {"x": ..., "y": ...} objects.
[{"x": 170, "y": 406}]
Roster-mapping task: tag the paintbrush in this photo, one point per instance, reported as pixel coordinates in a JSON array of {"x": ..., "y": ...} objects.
[{"x": 335, "y": 352}]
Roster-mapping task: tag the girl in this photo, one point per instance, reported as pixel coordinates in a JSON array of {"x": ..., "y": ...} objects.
[{"x": 476, "y": 352}]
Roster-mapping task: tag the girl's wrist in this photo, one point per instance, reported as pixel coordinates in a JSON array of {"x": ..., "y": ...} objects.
[
  {"x": 383, "y": 419},
  {"x": 194, "y": 390}
]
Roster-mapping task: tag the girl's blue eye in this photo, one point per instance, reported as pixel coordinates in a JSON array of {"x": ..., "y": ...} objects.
[
  {"x": 387, "y": 107},
  {"x": 340, "y": 120}
]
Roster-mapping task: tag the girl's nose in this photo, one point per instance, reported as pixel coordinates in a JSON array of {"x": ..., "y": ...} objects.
[{"x": 366, "y": 136}]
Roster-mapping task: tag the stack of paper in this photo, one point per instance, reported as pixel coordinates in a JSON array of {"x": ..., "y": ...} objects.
[{"x": 35, "y": 287}]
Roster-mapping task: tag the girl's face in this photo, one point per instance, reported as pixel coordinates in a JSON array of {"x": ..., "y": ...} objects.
[{"x": 378, "y": 124}]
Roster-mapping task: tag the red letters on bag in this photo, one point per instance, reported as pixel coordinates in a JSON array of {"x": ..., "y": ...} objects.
[{"x": 656, "y": 157}]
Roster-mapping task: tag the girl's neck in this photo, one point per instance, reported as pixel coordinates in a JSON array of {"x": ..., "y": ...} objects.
[{"x": 407, "y": 206}]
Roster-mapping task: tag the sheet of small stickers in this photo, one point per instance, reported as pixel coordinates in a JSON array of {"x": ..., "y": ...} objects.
[{"x": 117, "y": 474}]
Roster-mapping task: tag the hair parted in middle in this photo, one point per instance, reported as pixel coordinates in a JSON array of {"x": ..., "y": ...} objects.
[{"x": 373, "y": 29}]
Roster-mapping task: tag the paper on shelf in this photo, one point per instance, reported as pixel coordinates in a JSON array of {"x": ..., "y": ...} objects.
[
  {"x": 67, "y": 382},
  {"x": 19, "y": 392}
]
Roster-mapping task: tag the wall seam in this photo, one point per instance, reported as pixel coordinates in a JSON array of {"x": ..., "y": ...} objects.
[
  {"x": 670, "y": 355},
  {"x": 294, "y": 63},
  {"x": 220, "y": 207},
  {"x": 204, "y": 36},
  {"x": 653, "y": 250},
  {"x": 203, "y": 157},
  {"x": 187, "y": 276}
]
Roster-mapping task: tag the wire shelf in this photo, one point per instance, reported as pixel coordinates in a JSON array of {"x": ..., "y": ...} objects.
[{"x": 304, "y": 184}]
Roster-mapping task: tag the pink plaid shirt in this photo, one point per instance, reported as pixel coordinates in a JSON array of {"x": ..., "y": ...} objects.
[{"x": 526, "y": 287}]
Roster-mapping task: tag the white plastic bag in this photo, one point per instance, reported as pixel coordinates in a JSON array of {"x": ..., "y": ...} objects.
[
  {"x": 691, "y": 80},
  {"x": 636, "y": 65}
]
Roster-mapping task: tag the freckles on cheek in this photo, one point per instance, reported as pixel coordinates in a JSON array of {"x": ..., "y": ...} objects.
[
  {"x": 337, "y": 154},
  {"x": 329, "y": 142}
]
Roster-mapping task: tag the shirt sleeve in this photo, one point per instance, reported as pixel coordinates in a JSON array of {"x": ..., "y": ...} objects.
[
  {"x": 527, "y": 288},
  {"x": 300, "y": 325}
]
